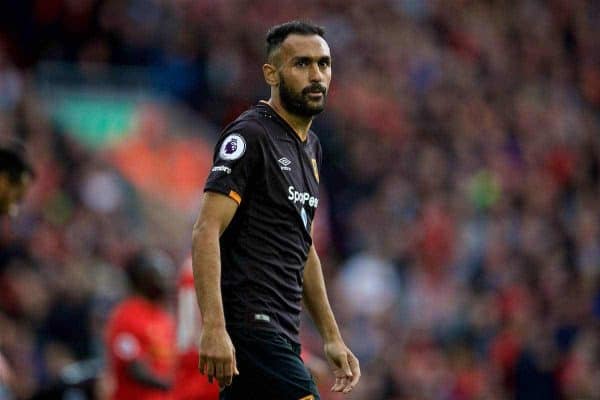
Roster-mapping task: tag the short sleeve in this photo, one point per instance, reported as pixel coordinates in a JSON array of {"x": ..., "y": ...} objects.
[{"x": 237, "y": 157}]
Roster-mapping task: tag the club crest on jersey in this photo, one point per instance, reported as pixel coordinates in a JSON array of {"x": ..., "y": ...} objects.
[
  {"x": 233, "y": 147},
  {"x": 315, "y": 169}
]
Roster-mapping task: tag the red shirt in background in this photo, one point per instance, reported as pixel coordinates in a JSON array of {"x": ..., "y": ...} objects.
[
  {"x": 140, "y": 330},
  {"x": 189, "y": 383}
]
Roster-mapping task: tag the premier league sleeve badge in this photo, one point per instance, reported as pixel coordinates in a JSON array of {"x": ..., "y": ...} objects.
[{"x": 233, "y": 147}]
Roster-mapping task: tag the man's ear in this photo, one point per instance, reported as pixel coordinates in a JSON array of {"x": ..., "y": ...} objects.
[{"x": 271, "y": 75}]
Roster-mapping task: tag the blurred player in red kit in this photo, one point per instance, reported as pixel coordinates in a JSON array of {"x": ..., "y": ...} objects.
[
  {"x": 141, "y": 332},
  {"x": 189, "y": 385}
]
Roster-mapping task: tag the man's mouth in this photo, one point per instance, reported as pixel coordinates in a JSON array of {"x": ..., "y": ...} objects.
[{"x": 315, "y": 90}]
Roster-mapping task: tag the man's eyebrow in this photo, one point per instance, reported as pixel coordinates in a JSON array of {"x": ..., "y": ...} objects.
[
  {"x": 308, "y": 58},
  {"x": 301, "y": 58}
]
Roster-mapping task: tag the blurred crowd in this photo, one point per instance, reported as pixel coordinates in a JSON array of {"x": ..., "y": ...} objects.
[{"x": 462, "y": 173}]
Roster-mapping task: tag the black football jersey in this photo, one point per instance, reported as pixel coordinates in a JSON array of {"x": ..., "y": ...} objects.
[{"x": 262, "y": 164}]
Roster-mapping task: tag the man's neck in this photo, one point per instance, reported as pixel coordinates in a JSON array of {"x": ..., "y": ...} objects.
[{"x": 300, "y": 125}]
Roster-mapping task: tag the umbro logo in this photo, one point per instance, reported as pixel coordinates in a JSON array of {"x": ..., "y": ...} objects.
[{"x": 284, "y": 164}]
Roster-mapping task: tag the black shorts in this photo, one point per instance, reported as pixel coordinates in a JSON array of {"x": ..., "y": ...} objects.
[{"x": 270, "y": 368}]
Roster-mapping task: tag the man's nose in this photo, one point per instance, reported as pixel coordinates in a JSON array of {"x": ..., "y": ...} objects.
[{"x": 315, "y": 74}]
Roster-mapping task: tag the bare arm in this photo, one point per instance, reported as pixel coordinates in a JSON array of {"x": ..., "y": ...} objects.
[
  {"x": 217, "y": 354},
  {"x": 344, "y": 364},
  {"x": 316, "y": 300}
]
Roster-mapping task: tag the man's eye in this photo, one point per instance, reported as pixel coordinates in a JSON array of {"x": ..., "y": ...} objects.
[
  {"x": 301, "y": 63},
  {"x": 324, "y": 63}
]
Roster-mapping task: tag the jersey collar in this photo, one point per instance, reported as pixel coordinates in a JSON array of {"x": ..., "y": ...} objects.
[{"x": 263, "y": 105}]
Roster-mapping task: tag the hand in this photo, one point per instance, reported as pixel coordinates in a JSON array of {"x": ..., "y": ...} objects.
[
  {"x": 217, "y": 356},
  {"x": 344, "y": 364}
]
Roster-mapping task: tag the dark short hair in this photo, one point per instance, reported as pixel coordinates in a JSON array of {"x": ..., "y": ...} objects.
[
  {"x": 277, "y": 34},
  {"x": 142, "y": 266},
  {"x": 13, "y": 159}
]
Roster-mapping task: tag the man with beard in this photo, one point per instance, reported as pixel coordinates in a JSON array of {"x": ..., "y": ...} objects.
[
  {"x": 253, "y": 255},
  {"x": 140, "y": 333}
]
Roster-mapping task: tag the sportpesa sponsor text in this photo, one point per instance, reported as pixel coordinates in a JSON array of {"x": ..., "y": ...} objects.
[{"x": 302, "y": 197}]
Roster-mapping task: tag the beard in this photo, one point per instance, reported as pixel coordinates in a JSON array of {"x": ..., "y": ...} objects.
[{"x": 299, "y": 103}]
